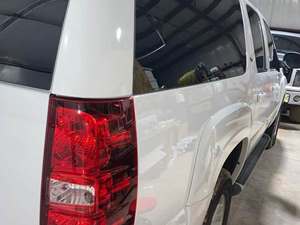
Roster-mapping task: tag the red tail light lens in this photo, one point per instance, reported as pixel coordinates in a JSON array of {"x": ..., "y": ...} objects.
[{"x": 90, "y": 165}]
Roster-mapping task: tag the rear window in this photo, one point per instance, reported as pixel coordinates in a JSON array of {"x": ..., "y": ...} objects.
[
  {"x": 183, "y": 43},
  {"x": 29, "y": 37}
]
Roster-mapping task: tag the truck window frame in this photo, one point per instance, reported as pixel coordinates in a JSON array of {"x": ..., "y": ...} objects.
[
  {"x": 262, "y": 38},
  {"x": 273, "y": 63}
]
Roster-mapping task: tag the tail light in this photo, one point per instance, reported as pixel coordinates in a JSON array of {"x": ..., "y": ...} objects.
[{"x": 90, "y": 163}]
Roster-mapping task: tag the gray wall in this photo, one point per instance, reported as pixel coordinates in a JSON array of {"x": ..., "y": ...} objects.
[{"x": 284, "y": 14}]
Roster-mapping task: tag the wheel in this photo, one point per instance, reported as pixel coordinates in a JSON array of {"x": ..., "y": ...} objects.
[
  {"x": 219, "y": 207},
  {"x": 295, "y": 114},
  {"x": 273, "y": 131}
]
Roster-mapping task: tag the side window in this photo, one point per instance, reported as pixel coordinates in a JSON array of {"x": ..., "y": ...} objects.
[
  {"x": 258, "y": 39},
  {"x": 273, "y": 59},
  {"x": 180, "y": 43}
]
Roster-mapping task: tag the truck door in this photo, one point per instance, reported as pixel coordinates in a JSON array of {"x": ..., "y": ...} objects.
[
  {"x": 274, "y": 70},
  {"x": 262, "y": 85}
]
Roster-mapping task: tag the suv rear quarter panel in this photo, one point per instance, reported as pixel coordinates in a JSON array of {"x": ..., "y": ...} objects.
[
  {"x": 185, "y": 130},
  {"x": 95, "y": 58},
  {"x": 184, "y": 137},
  {"x": 23, "y": 124}
]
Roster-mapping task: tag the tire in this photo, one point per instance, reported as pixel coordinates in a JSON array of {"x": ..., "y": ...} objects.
[
  {"x": 295, "y": 114},
  {"x": 222, "y": 195},
  {"x": 273, "y": 131}
]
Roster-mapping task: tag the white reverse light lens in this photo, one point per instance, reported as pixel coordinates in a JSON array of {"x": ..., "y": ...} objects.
[{"x": 71, "y": 194}]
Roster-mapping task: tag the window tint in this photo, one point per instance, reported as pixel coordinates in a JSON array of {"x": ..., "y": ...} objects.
[
  {"x": 258, "y": 40},
  {"x": 273, "y": 59},
  {"x": 287, "y": 43},
  {"x": 182, "y": 43},
  {"x": 29, "y": 37}
]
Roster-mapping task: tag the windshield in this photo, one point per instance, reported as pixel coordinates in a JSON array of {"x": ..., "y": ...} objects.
[{"x": 287, "y": 42}]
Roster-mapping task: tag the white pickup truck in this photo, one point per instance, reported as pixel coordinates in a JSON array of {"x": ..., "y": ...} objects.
[{"x": 147, "y": 112}]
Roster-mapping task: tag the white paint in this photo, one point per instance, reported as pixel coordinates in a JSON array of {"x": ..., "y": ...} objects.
[
  {"x": 96, "y": 50},
  {"x": 184, "y": 135},
  {"x": 23, "y": 118}
]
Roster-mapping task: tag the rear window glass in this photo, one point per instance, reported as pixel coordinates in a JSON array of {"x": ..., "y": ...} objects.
[{"x": 29, "y": 37}]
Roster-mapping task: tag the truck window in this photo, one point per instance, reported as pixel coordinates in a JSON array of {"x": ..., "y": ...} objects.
[
  {"x": 273, "y": 59},
  {"x": 29, "y": 37},
  {"x": 258, "y": 40},
  {"x": 287, "y": 42},
  {"x": 180, "y": 43}
]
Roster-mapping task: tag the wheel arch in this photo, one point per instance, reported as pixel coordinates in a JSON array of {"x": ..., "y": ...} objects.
[
  {"x": 235, "y": 160},
  {"x": 225, "y": 138}
]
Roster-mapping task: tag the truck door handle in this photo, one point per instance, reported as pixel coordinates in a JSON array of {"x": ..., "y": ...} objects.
[
  {"x": 274, "y": 88},
  {"x": 259, "y": 96}
]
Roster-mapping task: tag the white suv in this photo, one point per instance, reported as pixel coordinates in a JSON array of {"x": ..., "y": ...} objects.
[{"x": 148, "y": 112}]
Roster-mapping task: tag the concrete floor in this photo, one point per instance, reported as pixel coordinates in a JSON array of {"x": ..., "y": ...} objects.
[{"x": 272, "y": 195}]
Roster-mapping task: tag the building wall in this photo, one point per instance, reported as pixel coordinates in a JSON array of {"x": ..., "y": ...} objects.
[{"x": 283, "y": 14}]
